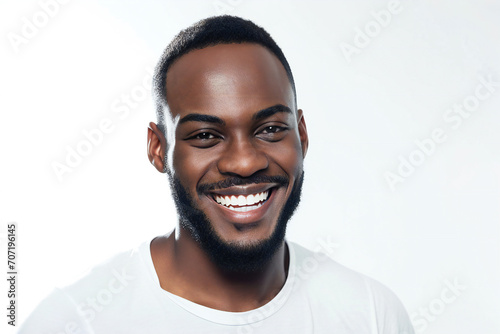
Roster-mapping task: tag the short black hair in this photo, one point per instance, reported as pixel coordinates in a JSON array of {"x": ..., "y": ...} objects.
[{"x": 224, "y": 29}]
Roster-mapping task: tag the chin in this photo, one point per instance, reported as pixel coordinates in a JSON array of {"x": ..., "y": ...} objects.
[{"x": 237, "y": 248}]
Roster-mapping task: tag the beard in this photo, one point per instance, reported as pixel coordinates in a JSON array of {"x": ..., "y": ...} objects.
[{"x": 232, "y": 257}]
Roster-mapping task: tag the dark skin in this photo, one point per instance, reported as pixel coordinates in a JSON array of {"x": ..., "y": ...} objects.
[{"x": 253, "y": 128}]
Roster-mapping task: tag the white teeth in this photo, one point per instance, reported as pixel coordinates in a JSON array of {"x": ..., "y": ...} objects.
[
  {"x": 243, "y": 203},
  {"x": 245, "y": 208},
  {"x": 242, "y": 200}
]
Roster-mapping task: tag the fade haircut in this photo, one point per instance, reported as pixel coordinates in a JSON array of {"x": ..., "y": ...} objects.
[{"x": 211, "y": 31}]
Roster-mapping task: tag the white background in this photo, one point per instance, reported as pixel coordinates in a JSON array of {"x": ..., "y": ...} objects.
[{"x": 363, "y": 113}]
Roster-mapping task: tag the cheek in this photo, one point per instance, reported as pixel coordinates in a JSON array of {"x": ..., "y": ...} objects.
[
  {"x": 289, "y": 156},
  {"x": 190, "y": 164},
  {"x": 183, "y": 164}
]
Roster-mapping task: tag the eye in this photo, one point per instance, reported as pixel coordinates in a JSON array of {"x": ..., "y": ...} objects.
[
  {"x": 272, "y": 129},
  {"x": 272, "y": 133},
  {"x": 204, "y": 139},
  {"x": 204, "y": 136}
]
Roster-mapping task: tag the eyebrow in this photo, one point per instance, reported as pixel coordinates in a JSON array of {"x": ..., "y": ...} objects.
[
  {"x": 264, "y": 113},
  {"x": 201, "y": 118}
]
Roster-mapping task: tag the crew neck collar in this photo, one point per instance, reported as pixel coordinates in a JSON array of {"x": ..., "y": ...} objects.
[{"x": 225, "y": 317}]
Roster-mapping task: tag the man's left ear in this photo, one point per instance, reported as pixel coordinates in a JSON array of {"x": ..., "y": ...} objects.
[{"x": 304, "y": 139}]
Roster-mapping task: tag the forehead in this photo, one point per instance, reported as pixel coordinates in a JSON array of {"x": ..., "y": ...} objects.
[{"x": 227, "y": 77}]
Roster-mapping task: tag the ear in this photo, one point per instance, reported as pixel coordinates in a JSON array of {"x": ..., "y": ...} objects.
[
  {"x": 156, "y": 146},
  {"x": 304, "y": 138}
]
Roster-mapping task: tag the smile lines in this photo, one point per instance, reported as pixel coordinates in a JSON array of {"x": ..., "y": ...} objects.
[{"x": 243, "y": 203}]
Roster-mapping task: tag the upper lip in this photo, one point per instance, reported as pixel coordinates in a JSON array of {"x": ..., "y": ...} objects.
[{"x": 247, "y": 189}]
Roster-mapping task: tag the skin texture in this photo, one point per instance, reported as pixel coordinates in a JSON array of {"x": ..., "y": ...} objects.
[{"x": 239, "y": 136}]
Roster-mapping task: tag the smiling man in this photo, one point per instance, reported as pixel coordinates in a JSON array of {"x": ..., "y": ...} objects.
[{"x": 232, "y": 142}]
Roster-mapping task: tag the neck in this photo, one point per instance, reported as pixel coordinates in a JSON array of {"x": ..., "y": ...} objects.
[{"x": 185, "y": 269}]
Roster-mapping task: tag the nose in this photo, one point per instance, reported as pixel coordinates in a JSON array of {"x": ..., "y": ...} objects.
[{"x": 242, "y": 158}]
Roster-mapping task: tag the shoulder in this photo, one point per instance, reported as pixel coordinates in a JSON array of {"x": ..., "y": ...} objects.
[
  {"x": 332, "y": 288},
  {"x": 318, "y": 269},
  {"x": 115, "y": 273},
  {"x": 104, "y": 288}
]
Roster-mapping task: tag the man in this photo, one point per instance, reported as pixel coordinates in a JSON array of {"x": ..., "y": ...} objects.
[{"x": 232, "y": 142}]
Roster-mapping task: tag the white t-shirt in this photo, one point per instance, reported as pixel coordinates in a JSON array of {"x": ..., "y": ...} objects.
[{"x": 124, "y": 295}]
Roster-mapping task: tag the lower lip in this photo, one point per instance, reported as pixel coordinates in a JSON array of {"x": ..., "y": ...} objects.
[{"x": 247, "y": 217}]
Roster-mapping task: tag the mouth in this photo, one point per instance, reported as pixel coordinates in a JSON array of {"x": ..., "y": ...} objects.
[
  {"x": 243, "y": 203},
  {"x": 247, "y": 204}
]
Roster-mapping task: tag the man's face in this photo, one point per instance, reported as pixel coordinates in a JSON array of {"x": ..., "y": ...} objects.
[{"x": 236, "y": 159}]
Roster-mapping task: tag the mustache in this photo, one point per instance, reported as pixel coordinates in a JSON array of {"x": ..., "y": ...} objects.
[{"x": 240, "y": 181}]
